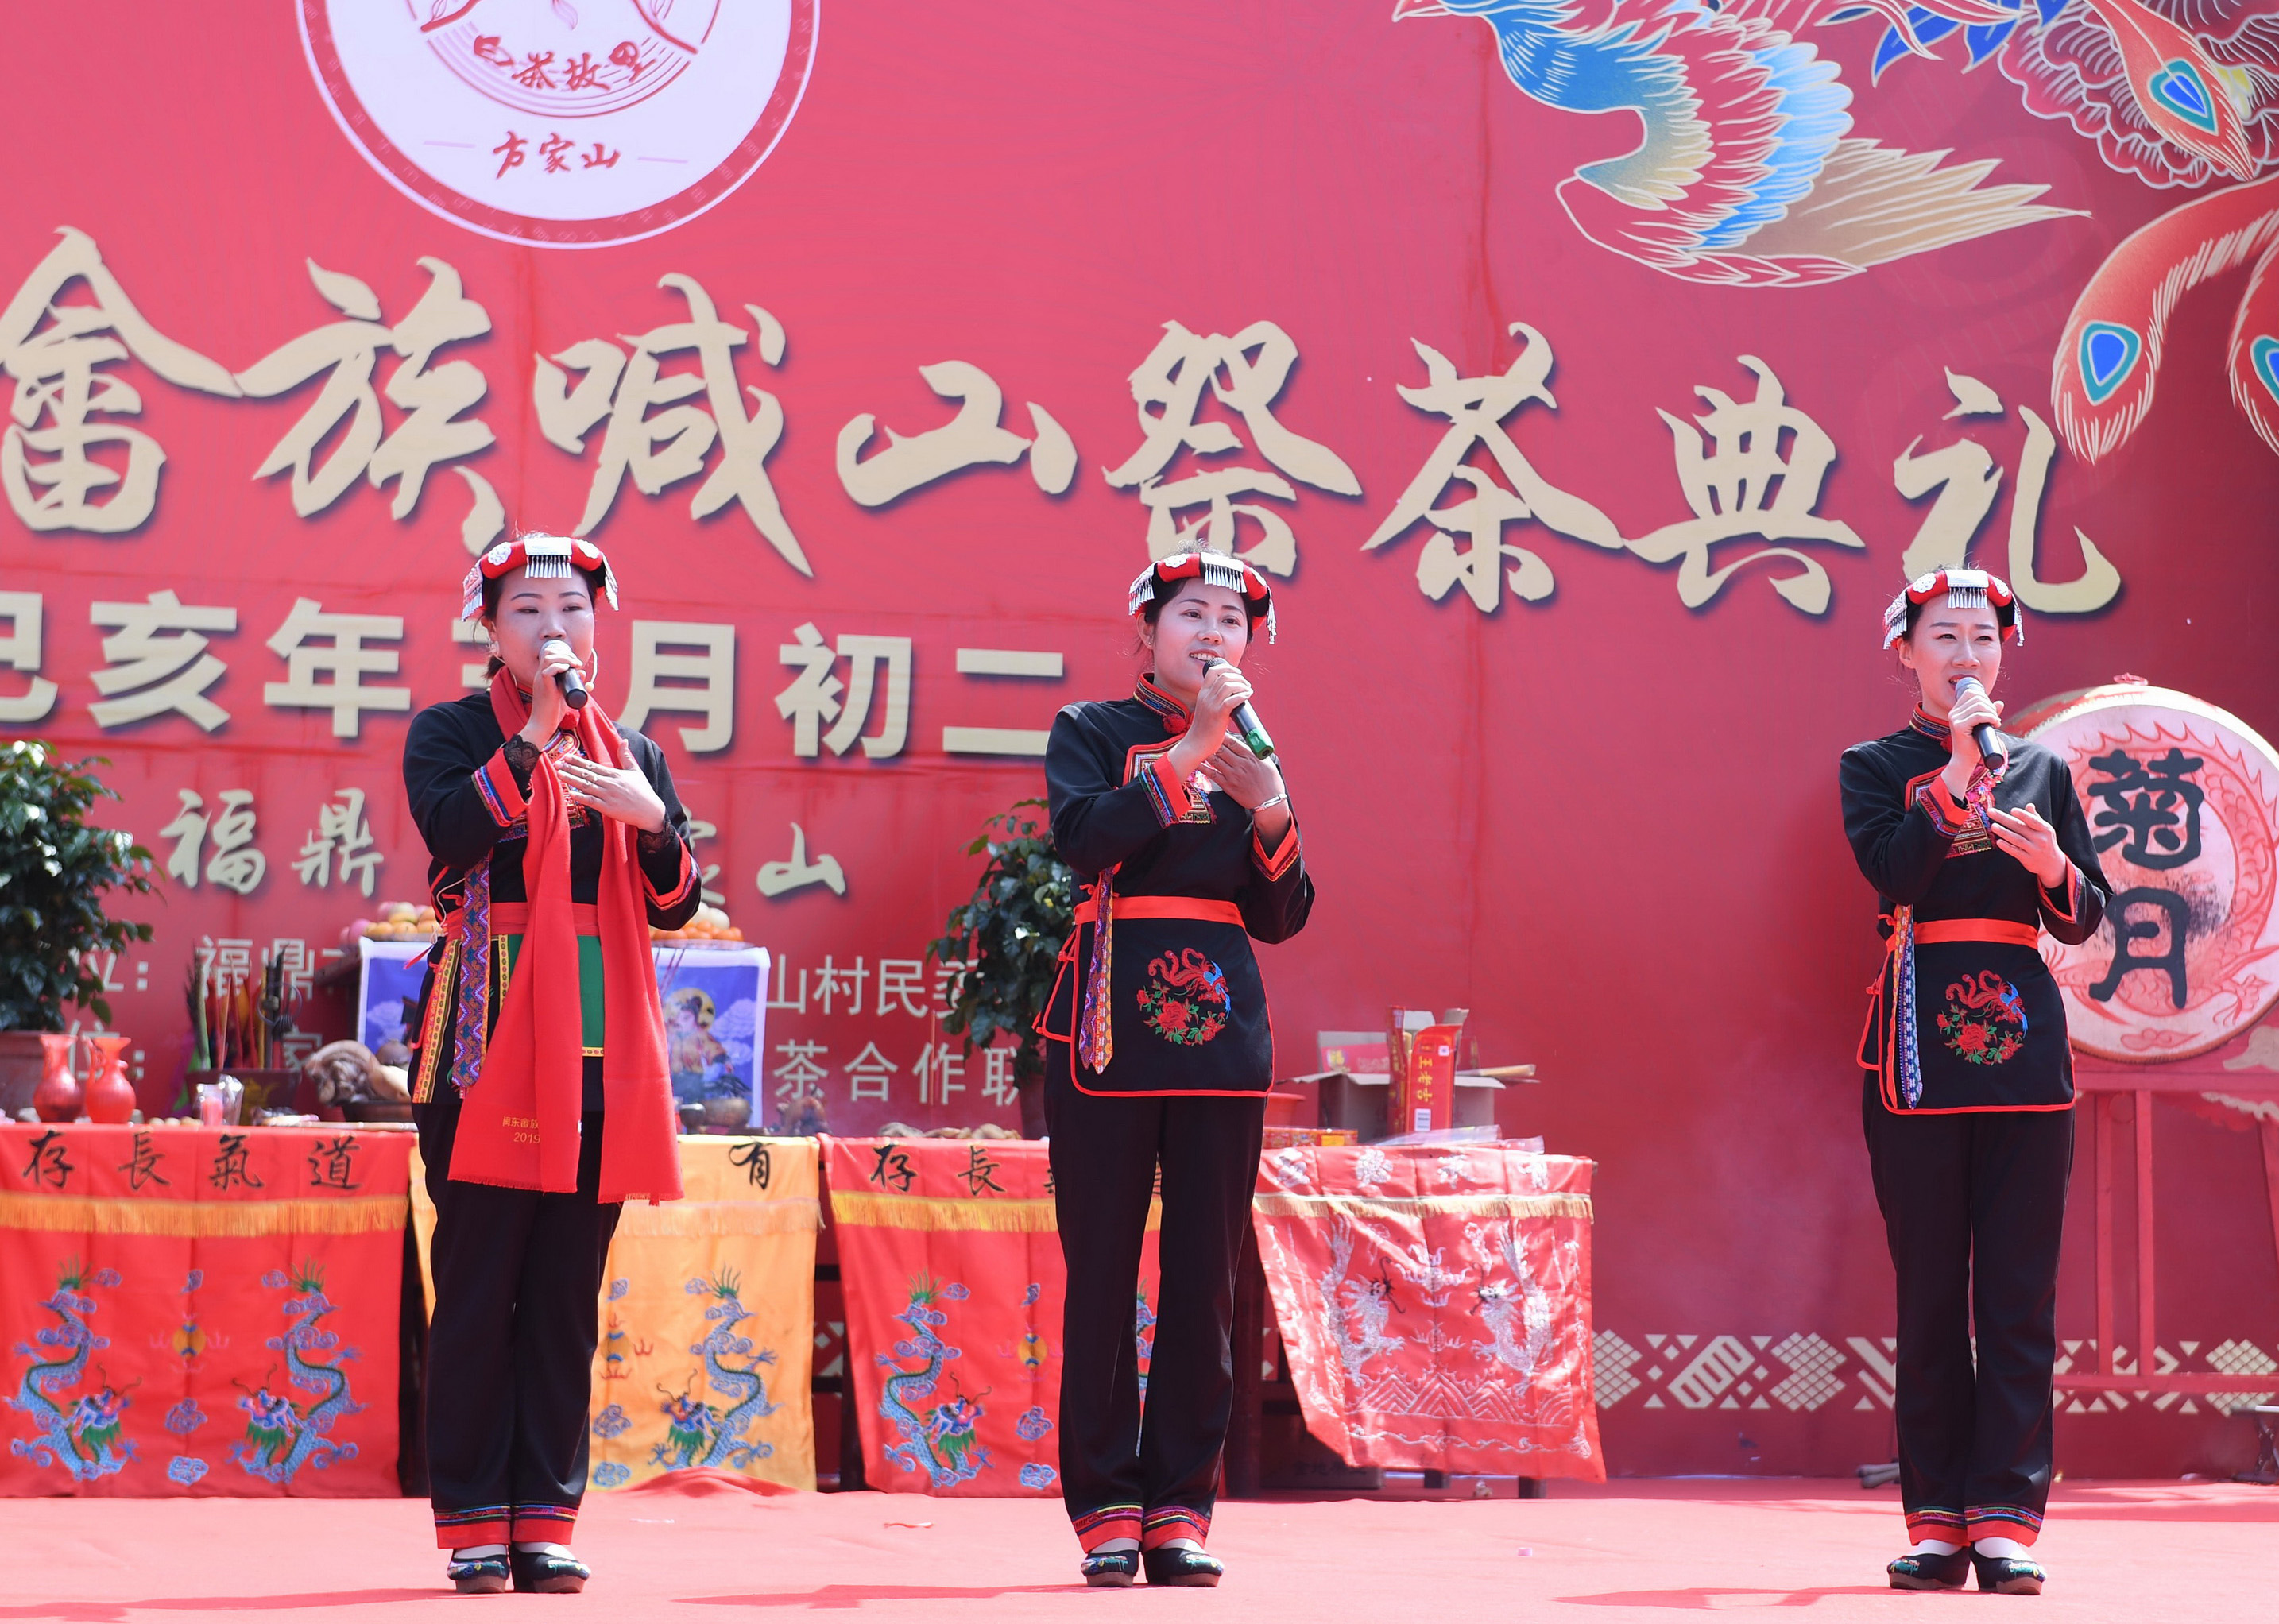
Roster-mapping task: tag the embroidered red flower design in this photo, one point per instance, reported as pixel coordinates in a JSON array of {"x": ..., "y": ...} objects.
[
  {"x": 1185, "y": 1000},
  {"x": 1985, "y": 1019}
]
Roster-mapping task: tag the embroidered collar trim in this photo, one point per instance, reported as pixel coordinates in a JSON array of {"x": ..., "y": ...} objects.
[
  {"x": 1929, "y": 727},
  {"x": 1174, "y": 713}
]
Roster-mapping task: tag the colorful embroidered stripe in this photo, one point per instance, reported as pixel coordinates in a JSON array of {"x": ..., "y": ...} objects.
[
  {"x": 470, "y": 1030},
  {"x": 679, "y": 891},
  {"x": 1094, "y": 1528},
  {"x": 1165, "y": 793},
  {"x": 2004, "y": 1522},
  {"x": 1275, "y": 864},
  {"x": 537, "y": 1518},
  {"x": 432, "y": 1022},
  {"x": 1934, "y": 1521},
  {"x": 1950, "y": 819},
  {"x": 1903, "y": 994},
  {"x": 501, "y": 793},
  {"x": 1095, "y": 1027},
  {"x": 1167, "y": 1523}
]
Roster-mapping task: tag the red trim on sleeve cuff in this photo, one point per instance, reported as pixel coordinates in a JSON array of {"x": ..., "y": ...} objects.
[
  {"x": 1949, "y": 816},
  {"x": 2071, "y": 911},
  {"x": 1171, "y": 793},
  {"x": 1275, "y": 864},
  {"x": 679, "y": 892},
  {"x": 501, "y": 793}
]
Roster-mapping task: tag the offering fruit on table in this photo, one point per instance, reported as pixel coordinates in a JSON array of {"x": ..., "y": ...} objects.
[
  {"x": 708, "y": 924},
  {"x": 397, "y": 921}
]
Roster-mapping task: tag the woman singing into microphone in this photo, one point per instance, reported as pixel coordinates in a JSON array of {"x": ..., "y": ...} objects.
[
  {"x": 540, "y": 1081},
  {"x": 1160, "y": 1058},
  {"x": 1969, "y": 1094}
]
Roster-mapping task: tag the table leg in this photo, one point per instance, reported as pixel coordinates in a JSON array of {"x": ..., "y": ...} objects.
[
  {"x": 2145, "y": 1343},
  {"x": 2101, "y": 1108}
]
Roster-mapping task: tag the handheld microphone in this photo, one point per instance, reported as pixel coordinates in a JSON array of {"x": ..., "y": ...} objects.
[
  {"x": 1246, "y": 720},
  {"x": 571, "y": 682},
  {"x": 1990, "y": 747}
]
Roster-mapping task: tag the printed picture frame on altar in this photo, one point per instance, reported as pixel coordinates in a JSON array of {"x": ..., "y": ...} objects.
[{"x": 715, "y": 1012}]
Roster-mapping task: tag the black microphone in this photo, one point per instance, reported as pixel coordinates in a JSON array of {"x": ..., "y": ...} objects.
[
  {"x": 1246, "y": 720},
  {"x": 571, "y": 682},
  {"x": 1990, "y": 747}
]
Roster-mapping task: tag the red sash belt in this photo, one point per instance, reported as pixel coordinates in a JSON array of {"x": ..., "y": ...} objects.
[
  {"x": 1977, "y": 930},
  {"x": 513, "y": 919},
  {"x": 1163, "y": 908}
]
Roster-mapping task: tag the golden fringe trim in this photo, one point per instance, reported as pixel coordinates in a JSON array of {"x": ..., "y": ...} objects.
[
  {"x": 695, "y": 1220},
  {"x": 211, "y": 1220},
  {"x": 1493, "y": 1204},
  {"x": 861, "y": 1209}
]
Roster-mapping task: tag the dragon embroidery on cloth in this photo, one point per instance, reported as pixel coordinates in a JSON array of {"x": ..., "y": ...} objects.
[
  {"x": 698, "y": 1434},
  {"x": 1185, "y": 1001},
  {"x": 281, "y": 1435},
  {"x": 1980, "y": 1012},
  {"x": 940, "y": 1440},
  {"x": 88, "y": 1439}
]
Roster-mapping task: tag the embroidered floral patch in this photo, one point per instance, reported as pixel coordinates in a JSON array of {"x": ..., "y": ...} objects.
[
  {"x": 1985, "y": 1019},
  {"x": 1185, "y": 1000}
]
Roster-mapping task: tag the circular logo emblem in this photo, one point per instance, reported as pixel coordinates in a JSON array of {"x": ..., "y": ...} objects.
[
  {"x": 568, "y": 123},
  {"x": 2183, "y": 805}
]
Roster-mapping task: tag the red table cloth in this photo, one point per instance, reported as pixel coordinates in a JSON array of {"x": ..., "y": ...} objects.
[
  {"x": 950, "y": 1258},
  {"x": 200, "y": 1311},
  {"x": 1435, "y": 1304}
]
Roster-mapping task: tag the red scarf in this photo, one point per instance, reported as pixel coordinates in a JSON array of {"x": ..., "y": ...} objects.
[{"x": 519, "y": 1124}]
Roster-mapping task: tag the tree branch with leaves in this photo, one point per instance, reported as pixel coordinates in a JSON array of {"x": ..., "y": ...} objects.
[{"x": 1008, "y": 936}]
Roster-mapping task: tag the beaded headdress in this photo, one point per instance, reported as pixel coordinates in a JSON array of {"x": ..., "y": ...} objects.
[
  {"x": 550, "y": 558},
  {"x": 1214, "y": 569},
  {"x": 1965, "y": 589}
]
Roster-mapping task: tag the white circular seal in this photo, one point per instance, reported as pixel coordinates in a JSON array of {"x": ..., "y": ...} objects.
[
  {"x": 2183, "y": 805},
  {"x": 565, "y": 123}
]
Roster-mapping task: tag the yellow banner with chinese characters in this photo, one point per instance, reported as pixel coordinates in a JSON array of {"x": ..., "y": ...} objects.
[{"x": 708, "y": 1319}]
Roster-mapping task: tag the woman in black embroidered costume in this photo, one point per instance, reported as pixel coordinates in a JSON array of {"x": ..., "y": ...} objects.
[
  {"x": 1159, "y": 1057},
  {"x": 1970, "y": 1081},
  {"x": 538, "y": 1079}
]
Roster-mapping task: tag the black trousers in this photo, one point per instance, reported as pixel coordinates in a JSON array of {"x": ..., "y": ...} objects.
[
  {"x": 510, "y": 1345},
  {"x": 1124, "y": 1475},
  {"x": 1974, "y": 1208}
]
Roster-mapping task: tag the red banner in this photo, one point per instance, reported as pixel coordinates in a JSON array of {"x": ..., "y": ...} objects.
[
  {"x": 1435, "y": 1305},
  {"x": 198, "y": 1311}
]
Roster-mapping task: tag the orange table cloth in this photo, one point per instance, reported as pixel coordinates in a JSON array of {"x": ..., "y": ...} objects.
[
  {"x": 192, "y": 1311},
  {"x": 1435, "y": 1304},
  {"x": 949, "y": 1259}
]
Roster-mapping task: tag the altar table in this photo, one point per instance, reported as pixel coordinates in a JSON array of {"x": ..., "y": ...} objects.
[{"x": 195, "y": 1310}]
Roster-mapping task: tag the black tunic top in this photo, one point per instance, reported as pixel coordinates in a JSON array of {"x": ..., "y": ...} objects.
[
  {"x": 468, "y": 782},
  {"x": 1189, "y": 1004},
  {"x": 1989, "y": 1029}
]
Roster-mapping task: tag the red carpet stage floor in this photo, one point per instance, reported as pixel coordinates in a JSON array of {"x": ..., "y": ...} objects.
[{"x": 2120, "y": 1552}]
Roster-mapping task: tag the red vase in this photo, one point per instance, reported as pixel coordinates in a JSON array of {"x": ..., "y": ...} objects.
[
  {"x": 110, "y": 1096},
  {"x": 58, "y": 1097}
]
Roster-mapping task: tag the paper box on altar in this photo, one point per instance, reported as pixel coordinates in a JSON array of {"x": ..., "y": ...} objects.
[
  {"x": 1355, "y": 1080},
  {"x": 1421, "y": 1054}
]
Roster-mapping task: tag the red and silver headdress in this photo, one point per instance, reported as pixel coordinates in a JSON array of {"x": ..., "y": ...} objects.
[
  {"x": 550, "y": 558},
  {"x": 1968, "y": 589},
  {"x": 1213, "y": 569}
]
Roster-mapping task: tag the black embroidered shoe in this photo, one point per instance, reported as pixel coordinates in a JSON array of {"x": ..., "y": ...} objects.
[
  {"x": 1928, "y": 1571},
  {"x": 2008, "y": 1575},
  {"x": 1111, "y": 1569},
  {"x": 1176, "y": 1565},
  {"x": 546, "y": 1574},
  {"x": 477, "y": 1575}
]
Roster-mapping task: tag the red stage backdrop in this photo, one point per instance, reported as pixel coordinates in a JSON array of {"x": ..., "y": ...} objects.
[{"x": 879, "y": 344}]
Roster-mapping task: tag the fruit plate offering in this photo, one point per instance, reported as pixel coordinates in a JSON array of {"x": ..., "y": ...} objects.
[
  {"x": 709, "y": 927},
  {"x": 397, "y": 921}
]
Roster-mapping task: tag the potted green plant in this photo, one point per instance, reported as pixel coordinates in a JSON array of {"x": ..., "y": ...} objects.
[
  {"x": 55, "y": 871},
  {"x": 1008, "y": 936}
]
